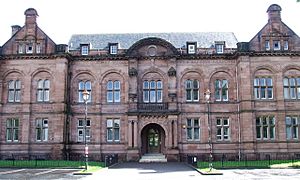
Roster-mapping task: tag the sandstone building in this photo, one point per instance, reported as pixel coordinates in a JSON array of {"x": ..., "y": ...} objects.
[{"x": 147, "y": 93}]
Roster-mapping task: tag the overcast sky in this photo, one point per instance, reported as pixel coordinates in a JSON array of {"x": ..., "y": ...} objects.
[{"x": 59, "y": 19}]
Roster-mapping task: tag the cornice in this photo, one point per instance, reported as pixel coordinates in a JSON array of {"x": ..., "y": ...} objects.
[{"x": 35, "y": 56}]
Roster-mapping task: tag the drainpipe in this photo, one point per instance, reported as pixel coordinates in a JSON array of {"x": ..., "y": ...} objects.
[{"x": 238, "y": 109}]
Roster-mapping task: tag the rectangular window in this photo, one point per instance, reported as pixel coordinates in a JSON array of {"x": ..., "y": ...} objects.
[
  {"x": 191, "y": 47},
  {"x": 193, "y": 129},
  {"x": 21, "y": 49},
  {"x": 81, "y": 128},
  {"x": 152, "y": 91},
  {"x": 38, "y": 48},
  {"x": 292, "y": 127},
  {"x": 113, "y": 48},
  {"x": 223, "y": 130},
  {"x": 113, "y": 130},
  {"x": 221, "y": 90},
  {"x": 219, "y": 48},
  {"x": 42, "y": 129},
  {"x": 265, "y": 128},
  {"x": 192, "y": 90},
  {"x": 263, "y": 88},
  {"x": 43, "y": 91},
  {"x": 14, "y": 91},
  {"x": 291, "y": 88},
  {"x": 12, "y": 130},
  {"x": 84, "y": 50},
  {"x": 286, "y": 45},
  {"x": 113, "y": 91},
  {"x": 267, "y": 45},
  {"x": 276, "y": 45}
]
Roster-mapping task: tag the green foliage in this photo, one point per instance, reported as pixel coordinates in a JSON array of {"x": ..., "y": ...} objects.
[
  {"x": 47, "y": 164},
  {"x": 251, "y": 164}
]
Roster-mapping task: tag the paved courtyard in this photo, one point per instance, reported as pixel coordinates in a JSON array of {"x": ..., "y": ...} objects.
[{"x": 180, "y": 171}]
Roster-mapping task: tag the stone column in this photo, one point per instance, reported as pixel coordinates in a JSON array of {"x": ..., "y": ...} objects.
[
  {"x": 130, "y": 134},
  {"x": 135, "y": 131},
  {"x": 175, "y": 135}
]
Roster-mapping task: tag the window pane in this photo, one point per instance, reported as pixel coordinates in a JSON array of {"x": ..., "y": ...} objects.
[
  {"x": 117, "y": 85},
  {"x": 117, "y": 134},
  {"x": 219, "y": 122},
  {"x": 265, "y": 131},
  {"x": 292, "y": 82},
  {"x": 270, "y": 93},
  {"x": 159, "y": 95},
  {"x": 109, "y": 96},
  {"x": 298, "y": 81},
  {"x": 46, "y": 95},
  {"x": 292, "y": 93},
  {"x": 188, "y": 94},
  {"x": 109, "y": 134},
  {"x": 38, "y": 134},
  {"x": 116, "y": 123},
  {"x": 195, "y": 84},
  {"x": 88, "y": 85},
  {"x": 188, "y": 84},
  {"x": 269, "y": 82},
  {"x": 288, "y": 132},
  {"x": 225, "y": 94},
  {"x": 9, "y": 134},
  {"x": 286, "y": 93},
  {"x": 47, "y": 84},
  {"x": 298, "y": 92},
  {"x": 146, "y": 85},
  {"x": 11, "y": 94},
  {"x": 159, "y": 85},
  {"x": 81, "y": 85},
  {"x": 196, "y": 123},
  {"x": 262, "y": 82},
  {"x": 18, "y": 84},
  {"x": 40, "y": 84},
  {"x": 117, "y": 96},
  {"x": 109, "y": 85},
  {"x": 272, "y": 132},
  {"x": 152, "y": 96},
  {"x": 40, "y": 95},
  {"x": 189, "y": 122},
  {"x": 189, "y": 133},
  {"x": 195, "y": 95},
  {"x": 11, "y": 85},
  {"x": 16, "y": 135},
  {"x": 225, "y": 84},
  {"x": 109, "y": 123},
  {"x": 17, "y": 96},
  {"x": 258, "y": 133},
  {"x": 218, "y": 94},
  {"x": 152, "y": 85},
  {"x": 256, "y": 93},
  {"x": 286, "y": 82},
  {"x": 225, "y": 122},
  {"x": 146, "y": 96},
  {"x": 256, "y": 82},
  {"x": 263, "y": 92},
  {"x": 196, "y": 133}
]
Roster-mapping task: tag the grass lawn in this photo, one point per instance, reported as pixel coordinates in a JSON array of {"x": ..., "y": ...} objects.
[
  {"x": 251, "y": 164},
  {"x": 49, "y": 164}
]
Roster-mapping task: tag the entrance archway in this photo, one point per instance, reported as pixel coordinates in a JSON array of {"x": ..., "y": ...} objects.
[{"x": 153, "y": 139}]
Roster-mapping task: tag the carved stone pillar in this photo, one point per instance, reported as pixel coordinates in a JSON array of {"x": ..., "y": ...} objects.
[
  {"x": 135, "y": 133},
  {"x": 175, "y": 135},
  {"x": 130, "y": 145}
]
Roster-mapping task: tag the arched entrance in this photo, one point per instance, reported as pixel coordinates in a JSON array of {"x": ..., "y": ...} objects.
[{"x": 153, "y": 139}]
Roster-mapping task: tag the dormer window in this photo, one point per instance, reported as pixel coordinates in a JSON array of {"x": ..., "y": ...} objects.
[
  {"x": 191, "y": 47},
  {"x": 113, "y": 48},
  {"x": 219, "y": 45},
  {"x": 286, "y": 45},
  {"x": 276, "y": 45},
  {"x": 29, "y": 48},
  {"x": 84, "y": 49},
  {"x": 267, "y": 45}
]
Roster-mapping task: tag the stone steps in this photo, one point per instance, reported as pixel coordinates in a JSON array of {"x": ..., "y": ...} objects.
[{"x": 150, "y": 158}]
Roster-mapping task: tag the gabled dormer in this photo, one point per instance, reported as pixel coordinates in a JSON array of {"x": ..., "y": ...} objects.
[
  {"x": 29, "y": 39},
  {"x": 275, "y": 36}
]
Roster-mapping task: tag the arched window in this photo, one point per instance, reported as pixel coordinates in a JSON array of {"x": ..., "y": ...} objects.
[
  {"x": 43, "y": 89},
  {"x": 113, "y": 91},
  {"x": 84, "y": 85},
  {"x": 152, "y": 91}
]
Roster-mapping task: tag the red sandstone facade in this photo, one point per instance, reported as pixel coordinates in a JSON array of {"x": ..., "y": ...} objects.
[{"x": 149, "y": 96}]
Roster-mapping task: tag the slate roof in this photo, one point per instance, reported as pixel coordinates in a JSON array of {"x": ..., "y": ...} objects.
[{"x": 203, "y": 39}]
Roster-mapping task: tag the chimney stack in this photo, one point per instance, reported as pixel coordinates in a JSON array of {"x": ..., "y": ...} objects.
[
  {"x": 30, "y": 16},
  {"x": 274, "y": 13},
  {"x": 15, "y": 29}
]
